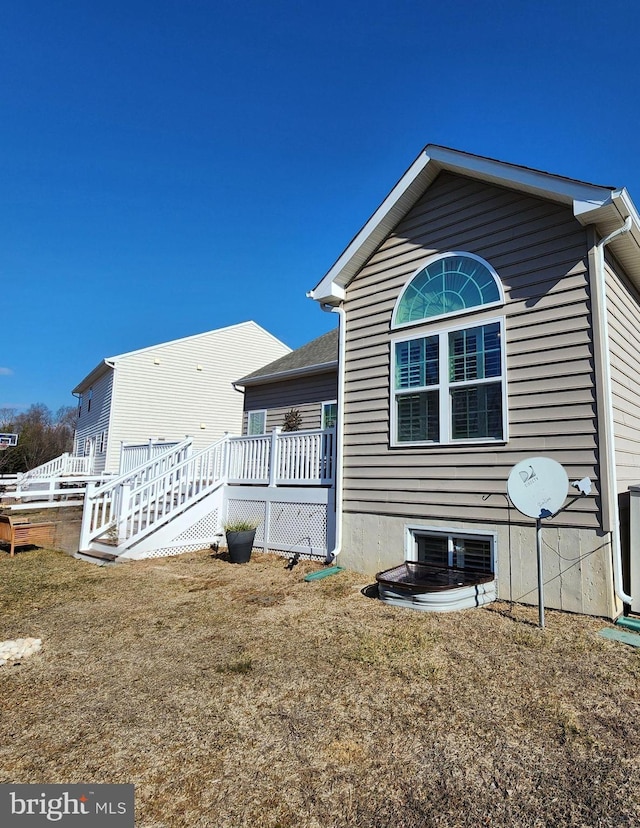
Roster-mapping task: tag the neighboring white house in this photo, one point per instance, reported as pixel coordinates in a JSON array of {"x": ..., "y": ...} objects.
[{"x": 169, "y": 391}]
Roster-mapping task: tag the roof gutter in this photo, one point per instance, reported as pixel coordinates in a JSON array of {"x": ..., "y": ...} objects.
[
  {"x": 292, "y": 373},
  {"x": 608, "y": 410},
  {"x": 92, "y": 376}
]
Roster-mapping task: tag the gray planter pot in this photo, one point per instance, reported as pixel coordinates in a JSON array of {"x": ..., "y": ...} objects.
[{"x": 240, "y": 545}]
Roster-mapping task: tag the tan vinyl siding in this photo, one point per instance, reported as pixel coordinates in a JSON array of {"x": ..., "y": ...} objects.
[
  {"x": 623, "y": 303},
  {"x": 161, "y": 392},
  {"x": 304, "y": 393},
  {"x": 540, "y": 253}
]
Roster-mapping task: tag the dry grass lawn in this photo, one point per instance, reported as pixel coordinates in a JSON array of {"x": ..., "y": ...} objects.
[{"x": 243, "y": 696}]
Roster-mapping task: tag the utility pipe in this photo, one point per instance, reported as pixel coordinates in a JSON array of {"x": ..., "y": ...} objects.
[
  {"x": 609, "y": 424},
  {"x": 333, "y": 554}
]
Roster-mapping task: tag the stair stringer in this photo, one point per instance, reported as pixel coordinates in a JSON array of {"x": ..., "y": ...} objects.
[{"x": 197, "y": 527}]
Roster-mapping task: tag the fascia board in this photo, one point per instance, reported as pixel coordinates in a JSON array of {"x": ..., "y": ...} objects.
[
  {"x": 212, "y": 334},
  {"x": 525, "y": 179},
  {"x": 309, "y": 370},
  {"x": 94, "y": 375},
  {"x": 582, "y": 196},
  {"x": 626, "y": 246},
  {"x": 395, "y": 206}
]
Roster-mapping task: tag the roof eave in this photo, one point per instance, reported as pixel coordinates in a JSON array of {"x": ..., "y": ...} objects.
[
  {"x": 293, "y": 373},
  {"x": 582, "y": 196},
  {"x": 100, "y": 369},
  {"x": 626, "y": 246}
]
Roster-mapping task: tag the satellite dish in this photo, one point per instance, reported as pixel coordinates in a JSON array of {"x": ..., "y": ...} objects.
[{"x": 538, "y": 487}]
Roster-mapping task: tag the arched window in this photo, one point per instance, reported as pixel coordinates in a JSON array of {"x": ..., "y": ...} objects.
[
  {"x": 451, "y": 283},
  {"x": 448, "y": 383}
]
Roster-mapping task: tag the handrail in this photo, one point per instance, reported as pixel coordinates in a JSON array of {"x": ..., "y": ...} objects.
[
  {"x": 129, "y": 476},
  {"x": 305, "y": 457},
  {"x": 135, "y": 503},
  {"x": 137, "y": 495},
  {"x": 157, "y": 500}
]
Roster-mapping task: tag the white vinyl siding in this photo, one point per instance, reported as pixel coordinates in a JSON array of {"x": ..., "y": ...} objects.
[
  {"x": 92, "y": 424},
  {"x": 184, "y": 387}
]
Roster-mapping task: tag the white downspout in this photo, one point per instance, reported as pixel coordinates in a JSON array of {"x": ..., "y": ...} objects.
[
  {"x": 609, "y": 423},
  {"x": 333, "y": 554}
]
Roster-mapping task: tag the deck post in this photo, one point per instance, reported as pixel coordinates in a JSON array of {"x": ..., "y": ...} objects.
[
  {"x": 87, "y": 513},
  {"x": 274, "y": 456},
  {"x": 121, "y": 518}
]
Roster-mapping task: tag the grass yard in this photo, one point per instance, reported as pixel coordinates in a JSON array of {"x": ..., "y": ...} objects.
[{"x": 243, "y": 696}]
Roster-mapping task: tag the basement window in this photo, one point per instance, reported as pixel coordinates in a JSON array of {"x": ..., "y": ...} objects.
[{"x": 460, "y": 550}]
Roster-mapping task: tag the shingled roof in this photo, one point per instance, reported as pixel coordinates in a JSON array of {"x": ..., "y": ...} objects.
[{"x": 315, "y": 357}]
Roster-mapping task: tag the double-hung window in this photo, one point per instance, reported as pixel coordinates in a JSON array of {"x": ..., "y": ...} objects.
[{"x": 448, "y": 384}]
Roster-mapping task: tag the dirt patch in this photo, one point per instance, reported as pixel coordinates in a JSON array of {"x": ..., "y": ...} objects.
[
  {"x": 67, "y": 519},
  {"x": 244, "y": 696}
]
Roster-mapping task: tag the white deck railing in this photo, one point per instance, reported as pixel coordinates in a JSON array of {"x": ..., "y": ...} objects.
[
  {"x": 66, "y": 464},
  {"x": 133, "y": 455},
  {"x": 131, "y": 506},
  {"x": 305, "y": 457}
]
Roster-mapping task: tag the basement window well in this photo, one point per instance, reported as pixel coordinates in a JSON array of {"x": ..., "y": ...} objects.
[{"x": 444, "y": 571}]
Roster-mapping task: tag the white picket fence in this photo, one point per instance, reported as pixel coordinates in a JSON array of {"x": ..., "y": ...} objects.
[{"x": 132, "y": 506}]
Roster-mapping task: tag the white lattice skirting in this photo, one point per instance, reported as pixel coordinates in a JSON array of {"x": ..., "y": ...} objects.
[
  {"x": 288, "y": 523},
  {"x": 198, "y": 536}
]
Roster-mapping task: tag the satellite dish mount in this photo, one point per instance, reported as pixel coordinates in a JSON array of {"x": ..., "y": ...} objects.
[{"x": 538, "y": 488}]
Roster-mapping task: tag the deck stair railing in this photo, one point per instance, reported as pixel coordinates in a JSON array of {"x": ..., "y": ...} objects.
[{"x": 129, "y": 508}]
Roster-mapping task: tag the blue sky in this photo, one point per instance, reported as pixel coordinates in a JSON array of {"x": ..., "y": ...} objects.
[{"x": 174, "y": 166}]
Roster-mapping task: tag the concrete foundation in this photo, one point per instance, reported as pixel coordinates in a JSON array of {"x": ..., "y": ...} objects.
[{"x": 577, "y": 563}]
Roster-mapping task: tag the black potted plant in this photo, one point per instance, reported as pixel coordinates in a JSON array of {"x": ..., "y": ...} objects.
[{"x": 240, "y": 536}]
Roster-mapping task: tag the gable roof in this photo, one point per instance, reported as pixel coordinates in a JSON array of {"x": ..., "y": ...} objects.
[
  {"x": 605, "y": 207},
  {"x": 316, "y": 357},
  {"x": 110, "y": 362}
]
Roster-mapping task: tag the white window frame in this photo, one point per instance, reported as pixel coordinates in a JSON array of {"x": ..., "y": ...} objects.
[
  {"x": 250, "y": 415},
  {"x": 430, "y": 260},
  {"x": 444, "y": 385},
  {"x": 414, "y": 529},
  {"x": 324, "y": 404}
]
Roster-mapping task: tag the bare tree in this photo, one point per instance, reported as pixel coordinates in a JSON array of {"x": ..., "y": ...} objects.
[{"x": 42, "y": 436}]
